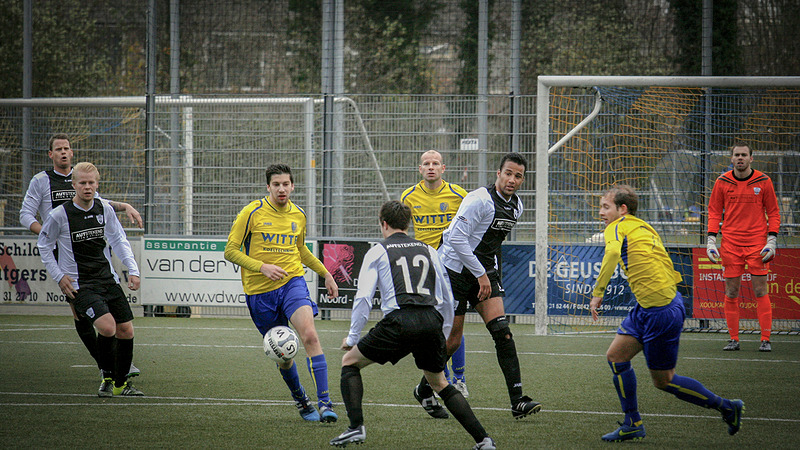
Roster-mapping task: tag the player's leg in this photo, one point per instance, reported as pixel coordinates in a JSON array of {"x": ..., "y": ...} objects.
[
  {"x": 457, "y": 405},
  {"x": 106, "y": 329},
  {"x": 423, "y": 391},
  {"x": 263, "y": 311},
  {"x": 123, "y": 352},
  {"x": 458, "y": 362},
  {"x": 493, "y": 315},
  {"x": 87, "y": 333},
  {"x": 733, "y": 264},
  {"x": 763, "y": 307},
  {"x": 619, "y": 355},
  {"x": 300, "y": 310}
]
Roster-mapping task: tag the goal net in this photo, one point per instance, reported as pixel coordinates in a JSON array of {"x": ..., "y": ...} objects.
[{"x": 670, "y": 139}]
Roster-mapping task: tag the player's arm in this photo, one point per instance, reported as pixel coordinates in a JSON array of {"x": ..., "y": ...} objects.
[
  {"x": 362, "y": 303},
  {"x": 30, "y": 206},
  {"x": 444, "y": 294},
  {"x": 48, "y": 237},
  {"x": 773, "y": 222},
  {"x": 312, "y": 262},
  {"x": 611, "y": 258},
  {"x": 130, "y": 211},
  {"x": 115, "y": 235},
  {"x": 462, "y": 227},
  {"x": 716, "y": 204},
  {"x": 233, "y": 248}
]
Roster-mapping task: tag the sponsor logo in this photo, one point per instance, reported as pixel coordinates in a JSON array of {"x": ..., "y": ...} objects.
[
  {"x": 503, "y": 224},
  {"x": 85, "y": 235}
]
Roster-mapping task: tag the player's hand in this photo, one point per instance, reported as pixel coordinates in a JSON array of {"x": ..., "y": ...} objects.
[
  {"x": 485, "y": 289},
  {"x": 133, "y": 282},
  {"x": 344, "y": 345},
  {"x": 65, "y": 283},
  {"x": 273, "y": 272},
  {"x": 768, "y": 251},
  {"x": 331, "y": 286},
  {"x": 133, "y": 215},
  {"x": 711, "y": 249},
  {"x": 593, "y": 305}
]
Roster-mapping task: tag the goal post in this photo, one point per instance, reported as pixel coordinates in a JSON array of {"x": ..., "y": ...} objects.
[{"x": 668, "y": 137}]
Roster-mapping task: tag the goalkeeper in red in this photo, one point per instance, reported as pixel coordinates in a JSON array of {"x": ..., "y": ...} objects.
[
  {"x": 654, "y": 324},
  {"x": 743, "y": 199},
  {"x": 267, "y": 240}
]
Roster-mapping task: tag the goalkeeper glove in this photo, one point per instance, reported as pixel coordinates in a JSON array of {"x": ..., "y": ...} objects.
[
  {"x": 769, "y": 250},
  {"x": 711, "y": 249}
]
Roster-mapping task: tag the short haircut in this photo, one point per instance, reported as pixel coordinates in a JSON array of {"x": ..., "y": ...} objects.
[
  {"x": 622, "y": 194},
  {"x": 515, "y": 158},
  {"x": 57, "y": 136},
  {"x": 86, "y": 167},
  {"x": 741, "y": 144},
  {"x": 441, "y": 158},
  {"x": 396, "y": 214},
  {"x": 278, "y": 169}
]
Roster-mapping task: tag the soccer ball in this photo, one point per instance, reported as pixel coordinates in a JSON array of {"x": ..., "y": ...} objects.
[{"x": 281, "y": 344}]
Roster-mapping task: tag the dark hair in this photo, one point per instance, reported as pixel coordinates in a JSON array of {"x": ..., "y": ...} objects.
[
  {"x": 741, "y": 144},
  {"x": 515, "y": 158},
  {"x": 396, "y": 214},
  {"x": 277, "y": 169},
  {"x": 57, "y": 136},
  {"x": 622, "y": 194}
]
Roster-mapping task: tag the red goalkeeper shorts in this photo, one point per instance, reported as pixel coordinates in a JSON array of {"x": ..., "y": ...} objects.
[{"x": 738, "y": 259}]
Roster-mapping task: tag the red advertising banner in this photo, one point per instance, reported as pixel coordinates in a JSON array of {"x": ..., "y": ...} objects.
[{"x": 783, "y": 283}]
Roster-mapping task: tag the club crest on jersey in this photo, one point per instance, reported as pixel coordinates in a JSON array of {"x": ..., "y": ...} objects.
[
  {"x": 443, "y": 206},
  {"x": 756, "y": 190},
  {"x": 294, "y": 227},
  {"x": 99, "y": 218}
]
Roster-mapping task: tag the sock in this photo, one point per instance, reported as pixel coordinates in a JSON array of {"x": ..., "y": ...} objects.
[
  {"x": 459, "y": 408},
  {"x": 318, "y": 369},
  {"x": 352, "y": 391},
  {"x": 625, "y": 382},
  {"x": 424, "y": 389},
  {"x": 105, "y": 355},
  {"x": 764, "y": 310},
  {"x": 732, "y": 316},
  {"x": 292, "y": 380},
  {"x": 88, "y": 336},
  {"x": 506, "y": 356},
  {"x": 458, "y": 361},
  {"x": 122, "y": 362},
  {"x": 692, "y": 391}
]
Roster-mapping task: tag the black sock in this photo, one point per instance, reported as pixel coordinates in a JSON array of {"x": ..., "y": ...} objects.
[
  {"x": 88, "y": 336},
  {"x": 122, "y": 363},
  {"x": 352, "y": 393},
  {"x": 506, "y": 356},
  {"x": 460, "y": 409},
  {"x": 425, "y": 390},
  {"x": 105, "y": 355}
]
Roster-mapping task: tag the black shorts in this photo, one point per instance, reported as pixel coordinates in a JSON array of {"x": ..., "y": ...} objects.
[
  {"x": 93, "y": 301},
  {"x": 465, "y": 288},
  {"x": 411, "y": 329}
]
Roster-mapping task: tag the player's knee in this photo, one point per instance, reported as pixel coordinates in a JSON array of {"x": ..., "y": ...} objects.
[
  {"x": 309, "y": 338},
  {"x": 498, "y": 329}
]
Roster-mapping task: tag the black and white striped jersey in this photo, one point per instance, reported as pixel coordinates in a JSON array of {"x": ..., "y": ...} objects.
[
  {"x": 83, "y": 238},
  {"x": 481, "y": 224},
  {"x": 407, "y": 272},
  {"x": 47, "y": 190}
]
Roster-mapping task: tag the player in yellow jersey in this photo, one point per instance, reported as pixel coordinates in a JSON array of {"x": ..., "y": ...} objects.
[
  {"x": 434, "y": 202},
  {"x": 654, "y": 324},
  {"x": 267, "y": 240}
]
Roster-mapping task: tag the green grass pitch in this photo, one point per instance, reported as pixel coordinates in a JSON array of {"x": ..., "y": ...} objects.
[{"x": 209, "y": 385}]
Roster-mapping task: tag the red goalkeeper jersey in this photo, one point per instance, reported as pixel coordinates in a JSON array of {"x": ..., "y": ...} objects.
[{"x": 747, "y": 208}]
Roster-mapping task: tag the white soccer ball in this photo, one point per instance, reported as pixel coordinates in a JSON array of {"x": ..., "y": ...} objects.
[{"x": 281, "y": 344}]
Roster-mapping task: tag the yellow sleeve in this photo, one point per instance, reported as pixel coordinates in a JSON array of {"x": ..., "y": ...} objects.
[
  {"x": 233, "y": 249},
  {"x": 308, "y": 259},
  {"x": 610, "y": 260}
]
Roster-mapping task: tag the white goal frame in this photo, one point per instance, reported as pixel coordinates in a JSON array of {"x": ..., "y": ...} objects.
[{"x": 543, "y": 149}]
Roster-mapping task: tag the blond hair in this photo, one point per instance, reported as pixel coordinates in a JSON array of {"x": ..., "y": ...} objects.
[{"x": 86, "y": 167}]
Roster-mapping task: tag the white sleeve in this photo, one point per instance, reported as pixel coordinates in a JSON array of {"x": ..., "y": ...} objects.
[
  {"x": 444, "y": 294},
  {"x": 116, "y": 237},
  {"x": 362, "y": 303},
  {"x": 31, "y": 203},
  {"x": 46, "y": 242},
  {"x": 468, "y": 217}
]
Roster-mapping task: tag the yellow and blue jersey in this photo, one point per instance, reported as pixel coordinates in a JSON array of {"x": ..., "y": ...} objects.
[
  {"x": 432, "y": 211},
  {"x": 637, "y": 248},
  {"x": 265, "y": 233}
]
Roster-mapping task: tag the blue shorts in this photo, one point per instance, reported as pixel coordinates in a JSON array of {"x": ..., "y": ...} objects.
[
  {"x": 276, "y": 307},
  {"x": 659, "y": 330}
]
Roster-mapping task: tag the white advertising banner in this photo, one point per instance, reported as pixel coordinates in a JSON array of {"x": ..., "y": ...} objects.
[
  {"x": 194, "y": 272},
  {"x": 24, "y": 279}
]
